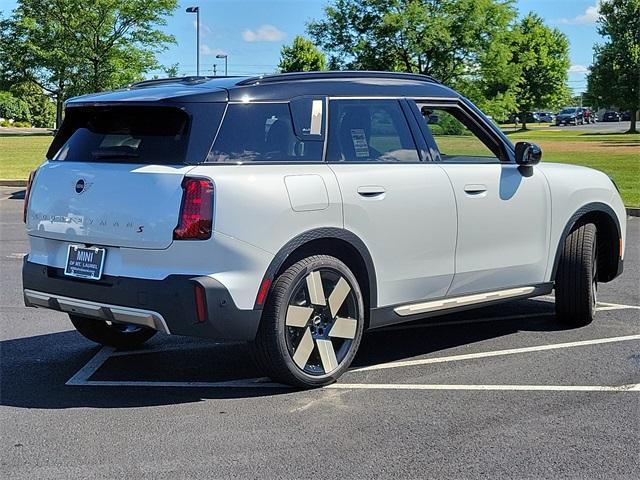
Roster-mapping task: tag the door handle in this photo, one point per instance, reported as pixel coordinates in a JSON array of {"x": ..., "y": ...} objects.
[
  {"x": 475, "y": 189},
  {"x": 369, "y": 191}
]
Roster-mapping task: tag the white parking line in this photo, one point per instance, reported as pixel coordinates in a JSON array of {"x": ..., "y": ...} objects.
[
  {"x": 82, "y": 377},
  {"x": 511, "y": 351},
  {"x": 601, "y": 306},
  {"x": 614, "y": 306},
  {"x": 522, "y": 388},
  {"x": 262, "y": 382}
]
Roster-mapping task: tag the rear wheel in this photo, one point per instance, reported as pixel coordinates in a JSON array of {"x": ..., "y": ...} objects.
[
  {"x": 312, "y": 323},
  {"x": 577, "y": 277},
  {"x": 119, "y": 335}
]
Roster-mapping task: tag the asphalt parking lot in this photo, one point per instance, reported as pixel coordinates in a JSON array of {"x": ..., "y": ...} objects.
[{"x": 502, "y": 391}]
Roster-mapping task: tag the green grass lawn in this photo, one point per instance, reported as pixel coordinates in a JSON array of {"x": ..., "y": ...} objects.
[
  {"x": 20, "y": 154},
  {"x": 618, "y": 155}
]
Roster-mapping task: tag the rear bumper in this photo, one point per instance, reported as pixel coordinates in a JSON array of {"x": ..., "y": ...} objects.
[{"x": 167, "y": 305}]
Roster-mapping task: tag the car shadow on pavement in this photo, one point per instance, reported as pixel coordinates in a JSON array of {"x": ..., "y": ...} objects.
[{"x": 34, "y": 370}]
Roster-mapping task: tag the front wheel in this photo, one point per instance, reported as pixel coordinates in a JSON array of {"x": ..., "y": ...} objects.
[
  {"x": 577, "y": 277},
  {"x": 118, "y": 335},
  {"x": 312, "y": 323}
]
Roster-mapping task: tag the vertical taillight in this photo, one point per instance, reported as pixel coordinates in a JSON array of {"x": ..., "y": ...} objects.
[
  {"x": 26, "y": 196},
  {"x": 196, "y": 212}
]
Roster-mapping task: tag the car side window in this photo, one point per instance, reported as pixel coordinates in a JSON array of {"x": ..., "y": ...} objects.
[
  {"x": 369, "y": 131},
  {"x": 262, "y": 132},
  {"x": 457, "y": 137}
]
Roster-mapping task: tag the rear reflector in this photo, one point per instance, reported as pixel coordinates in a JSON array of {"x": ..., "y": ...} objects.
[
  {"x": 201, "y": 303},
  {"x": 262, "y": 293},
  {"x": 26, "y": 196},
  {"x": 196, "y": 212}
]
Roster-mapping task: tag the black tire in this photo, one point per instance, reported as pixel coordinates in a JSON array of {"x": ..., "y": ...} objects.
[
  {"x": 118, "y": 335},
  {"x": 311, "y": 344},
  {"x": 577, "y": 277}
]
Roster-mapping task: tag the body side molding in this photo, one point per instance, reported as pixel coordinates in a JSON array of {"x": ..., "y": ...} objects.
[{"x": 394, "y": 314}]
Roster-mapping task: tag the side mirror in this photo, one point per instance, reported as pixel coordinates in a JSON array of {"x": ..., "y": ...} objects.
[
  {"x": 528, "y": 154},
  {"x": 433, "y": 119}
]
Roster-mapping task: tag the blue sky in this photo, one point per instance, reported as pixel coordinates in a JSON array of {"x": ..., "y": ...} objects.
[{"x": 251, "y": 32}]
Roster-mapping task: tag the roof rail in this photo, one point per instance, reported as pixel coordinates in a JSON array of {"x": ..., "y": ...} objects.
[
  {"x": 190, "y": 80},
  {"x": 338, "y": 74}
]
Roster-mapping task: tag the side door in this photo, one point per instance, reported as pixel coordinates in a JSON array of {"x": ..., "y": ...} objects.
[
  {"x": 399, "y": 204},
  {"x": 503, "y": 209}
]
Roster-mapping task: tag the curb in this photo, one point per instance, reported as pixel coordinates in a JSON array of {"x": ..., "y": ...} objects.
[
  {"x": 13, "y": 183},
  {"x": 632, "y": 212}
]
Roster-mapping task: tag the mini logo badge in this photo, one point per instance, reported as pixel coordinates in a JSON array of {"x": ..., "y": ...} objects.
[{"x": 80, "y": 186}]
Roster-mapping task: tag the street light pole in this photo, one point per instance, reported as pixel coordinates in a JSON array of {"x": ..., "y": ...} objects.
[
  {"x": 225, "y": 56},
  {"x": 196, "y": 10}
]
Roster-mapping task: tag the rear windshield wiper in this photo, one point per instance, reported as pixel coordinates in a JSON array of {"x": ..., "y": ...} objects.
[{"x": 113, "y": 154}]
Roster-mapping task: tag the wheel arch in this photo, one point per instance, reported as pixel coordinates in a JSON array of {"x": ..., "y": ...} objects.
[
  {"x": 337, "y": 242},
  {"x": 608, "y": 238}
]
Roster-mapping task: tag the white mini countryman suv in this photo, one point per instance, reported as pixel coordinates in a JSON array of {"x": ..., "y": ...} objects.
[{"x": 296, "y": 211}]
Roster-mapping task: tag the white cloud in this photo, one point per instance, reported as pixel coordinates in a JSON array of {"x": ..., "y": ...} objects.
[
  {"x": 264, "y": 33},
  {"x": 207, "y": 50},
  {"x": 578, "y": 69},
  {"x": 589, "y": 17}
]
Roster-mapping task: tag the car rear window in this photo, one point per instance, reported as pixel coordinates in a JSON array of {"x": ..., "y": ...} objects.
[
  {"x": 123, "y": 134},
  {"x": 264, "y": 132}
]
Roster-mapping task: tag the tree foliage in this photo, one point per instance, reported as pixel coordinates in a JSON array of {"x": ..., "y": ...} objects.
[
  {"x": 614, "y": 79},
  {"x": 540, "y": 60},
  {"x": 442, "y": 38},
  {"x": 12, "y": 108},
  {"x": 42, "y": 109},
  {"x": 301, "y": 56},
  {"x": 475, "y": 46},
  {"x": 71, "y": 47}
]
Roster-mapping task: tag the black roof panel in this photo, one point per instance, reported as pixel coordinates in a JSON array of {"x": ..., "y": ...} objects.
[{"x": 272, "y": 87}]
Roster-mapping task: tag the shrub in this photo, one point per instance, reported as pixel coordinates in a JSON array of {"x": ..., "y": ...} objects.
[{"x": 12, "y": 108}]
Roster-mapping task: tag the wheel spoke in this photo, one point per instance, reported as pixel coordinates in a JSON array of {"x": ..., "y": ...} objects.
[
  {"x": 298, "y": 316},
  {"x": 327, "y": 355},
  {"x": 344, "y": 328},
  {"x": 303, "y": 352},
  {"x": 336, "y": 299},
  {"x": 316, "y": 292}
]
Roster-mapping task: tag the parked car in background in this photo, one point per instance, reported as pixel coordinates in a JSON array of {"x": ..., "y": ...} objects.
[
  {"x": 547, "y": 117},
  {"x": 625, "y": 116},
  {"x": 611, "y": 116},
  {"x": 532, "y": 117},
  {"x": 570, "y": 116},
  {"x": 251, "y": 209}
]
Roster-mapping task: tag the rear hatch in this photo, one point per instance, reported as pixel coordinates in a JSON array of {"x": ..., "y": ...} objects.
[{"x": 114, "y": 174}]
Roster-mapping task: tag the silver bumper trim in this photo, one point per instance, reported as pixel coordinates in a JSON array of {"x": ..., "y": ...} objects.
[{"x": 100, "y": 311}]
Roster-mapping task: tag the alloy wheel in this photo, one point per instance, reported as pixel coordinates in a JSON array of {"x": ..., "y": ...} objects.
[{"x": 321, "y": 321}]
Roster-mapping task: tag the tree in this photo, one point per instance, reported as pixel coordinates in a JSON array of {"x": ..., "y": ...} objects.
[
  {"x": 301, "y": 56},
  {"x": 540, "y": 56},
  {"x": 71, "y": 47},
  {"x": 42, "y": 109},
  {"x": 442, "y": 38},
  {"x": 12, "y": 108},
  {"x": 614, "y": 78}
]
